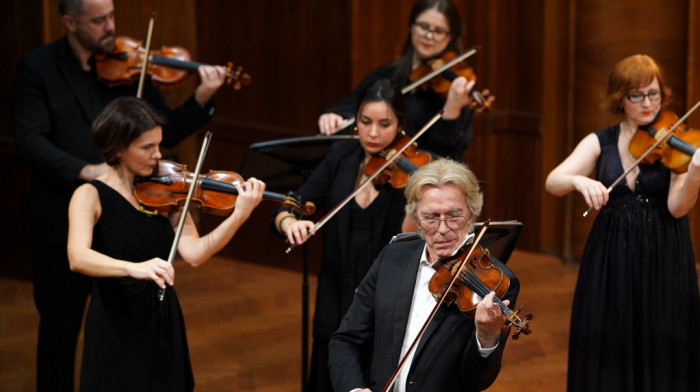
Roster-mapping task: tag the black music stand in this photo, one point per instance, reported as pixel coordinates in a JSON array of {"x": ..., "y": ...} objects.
[
  {"x": 284, "y": 165},
  {"x": 500, "y": 237}
]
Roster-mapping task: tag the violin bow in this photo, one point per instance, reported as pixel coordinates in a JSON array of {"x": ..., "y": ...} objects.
[
  {"x": 648, "y": 151},
  {"x": 144, "y": 65},
  {"x": 183, "y": 215},
  {"x": 392, "y": 380},
  {"x": 369, "y": 179},
  {"x": 465, "y": 55}
]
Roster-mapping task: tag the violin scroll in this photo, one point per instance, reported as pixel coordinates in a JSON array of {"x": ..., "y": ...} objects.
[
  {"x": 521, "y": 325},
  {"x": 293, "y": 200},
  {"x": 481, "y": 101},
  {"x": 237, "y": 76}
]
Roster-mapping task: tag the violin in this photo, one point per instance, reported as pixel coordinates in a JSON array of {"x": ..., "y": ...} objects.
[
  {"x": 478, "y": 277},
  {"x": 441, "y": 83},
  {"x": 675, "y": 152},
  {"x": 396, "y": 174},
  {"x": 167, "y": 188},
  {"x": 167, "y": 66}
]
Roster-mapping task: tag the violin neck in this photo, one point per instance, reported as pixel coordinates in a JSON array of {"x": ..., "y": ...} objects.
[
  {"x": 175, "y": 63},
  {"x": 225, "y": 187},
  {"x": 449, "y": 74},
  {"x": 406, "y": 165}
]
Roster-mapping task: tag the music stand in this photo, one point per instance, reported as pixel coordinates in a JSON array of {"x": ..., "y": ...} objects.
[
  {"x": 283, "y": 165},
  {"x": 500, "y": 237}
]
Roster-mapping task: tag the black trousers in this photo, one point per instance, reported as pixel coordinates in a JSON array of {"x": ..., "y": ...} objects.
[{"x": 60, "y": 296}]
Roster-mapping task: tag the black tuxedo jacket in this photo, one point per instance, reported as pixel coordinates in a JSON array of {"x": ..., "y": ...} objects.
[
  {"x": 54, "y": 103},
  {"x": 447, "y": 356}
]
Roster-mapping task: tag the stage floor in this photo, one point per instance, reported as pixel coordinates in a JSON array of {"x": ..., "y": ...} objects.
[{"x": 244, "y": 326}]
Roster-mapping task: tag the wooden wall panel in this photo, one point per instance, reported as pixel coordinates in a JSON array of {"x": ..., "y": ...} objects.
[
  {"x": 379, "y": 30},
  {"x": 506, "y": 153},
  {"x": 606, "y": 32},
  {"x": 693, "y": 96},
  {"x": 298, "y": 54},
  {"x": 557, "y": 121},
  {"x": 545, "y": 61}
]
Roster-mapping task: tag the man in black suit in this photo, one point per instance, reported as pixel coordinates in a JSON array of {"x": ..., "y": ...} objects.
[
  {"x": 56, "y": 97},
  {"x": 393, "y": 301}
]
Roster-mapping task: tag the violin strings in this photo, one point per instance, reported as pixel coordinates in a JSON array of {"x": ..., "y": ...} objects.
[{"x": 482, "y": 290}]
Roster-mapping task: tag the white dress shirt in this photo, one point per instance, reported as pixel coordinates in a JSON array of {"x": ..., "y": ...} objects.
[{"x": 422, "y": 304}]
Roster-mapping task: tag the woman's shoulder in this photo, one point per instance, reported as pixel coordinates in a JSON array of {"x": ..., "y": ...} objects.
[
  {"x": 86, "y": 197},
  {"x": 608, "y": 135},
  {"x": 88, "y": 188},
  {"x": 343, "y": 149}
]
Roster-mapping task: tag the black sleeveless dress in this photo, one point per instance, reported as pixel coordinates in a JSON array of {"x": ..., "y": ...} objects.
[
  {"x": 133, "y": 342},
  {"x": 635, "y": 323}
]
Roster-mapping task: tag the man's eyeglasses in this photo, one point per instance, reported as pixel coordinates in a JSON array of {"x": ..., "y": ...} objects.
[
  {"x": 452, "y": 222},
  {"x": 438, "y": 34},
  {"x": 653, "y": 95}
]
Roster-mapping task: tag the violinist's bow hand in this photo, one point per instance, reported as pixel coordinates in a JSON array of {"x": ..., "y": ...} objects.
[{"x": 330, "y": 123}]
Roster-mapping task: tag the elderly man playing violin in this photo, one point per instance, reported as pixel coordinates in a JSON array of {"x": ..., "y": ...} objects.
[
  {"x": 393, "y": 301},
  {"x": 56, "y": 97}
]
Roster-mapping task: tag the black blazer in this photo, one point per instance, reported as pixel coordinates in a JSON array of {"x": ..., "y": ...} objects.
[
  {"x": 447, "y": 138},
  {"x": 54, "y": 103},
  {"x": 331, "y": 182},
  {"x": 447, "y": 356}
]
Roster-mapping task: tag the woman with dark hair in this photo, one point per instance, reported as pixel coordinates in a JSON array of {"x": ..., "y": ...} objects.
[
  {"x": 636, "y": 309},
  {"x": 133, "y": 341},
  {"x": 356, "y": 234},
  {"x": 434, "y": 27}
]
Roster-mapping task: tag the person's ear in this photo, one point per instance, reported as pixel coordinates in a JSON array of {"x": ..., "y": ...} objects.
[{"x": 70, "y": 23}]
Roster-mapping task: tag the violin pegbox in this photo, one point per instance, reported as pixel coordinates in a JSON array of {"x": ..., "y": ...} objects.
[
  {"x": 237, "y": 76},
  {"x": 481, "y": 101},
  {"x": 521, "y": 325}
]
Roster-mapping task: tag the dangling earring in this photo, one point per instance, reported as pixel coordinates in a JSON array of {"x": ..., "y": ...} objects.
[{"x": 354, "y": 131}]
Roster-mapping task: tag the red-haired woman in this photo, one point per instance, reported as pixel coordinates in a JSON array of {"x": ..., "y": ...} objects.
[{"x": 636, "y": 309}]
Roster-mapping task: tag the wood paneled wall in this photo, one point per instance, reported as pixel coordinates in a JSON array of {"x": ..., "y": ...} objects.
[{"x": 546, "y": 62}]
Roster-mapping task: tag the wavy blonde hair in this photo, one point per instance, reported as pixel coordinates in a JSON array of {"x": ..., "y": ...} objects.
[{"x": 442, "y": 172}]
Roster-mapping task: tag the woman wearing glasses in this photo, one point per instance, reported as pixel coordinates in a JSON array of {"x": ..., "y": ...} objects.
[
  {"x": 434, "y": 27},
  {"x": 636, "y": 309},
  {"x": 356, "y": 234}
]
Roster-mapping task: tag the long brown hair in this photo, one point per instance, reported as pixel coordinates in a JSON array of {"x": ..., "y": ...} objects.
[{"x": 451, "y": 13}]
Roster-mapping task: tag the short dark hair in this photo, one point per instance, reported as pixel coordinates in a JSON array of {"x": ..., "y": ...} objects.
[
  {"x": 69, "y": 6},
  {"x": 120, "y": 123},
  {"x": 389, "y": 92}
]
